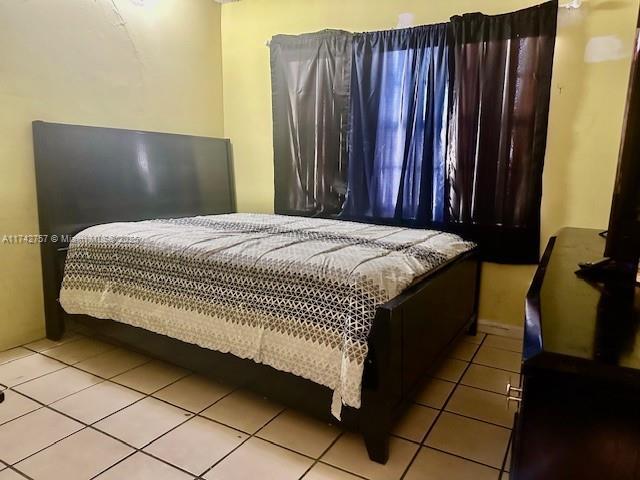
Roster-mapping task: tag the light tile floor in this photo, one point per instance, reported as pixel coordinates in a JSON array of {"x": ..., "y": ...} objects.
[{"x": 80, "y": 409}]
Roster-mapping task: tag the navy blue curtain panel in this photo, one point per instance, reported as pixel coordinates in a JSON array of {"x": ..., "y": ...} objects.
[
  {"x": 310, "y": 78},
  {"x": 399, "y": 82},
  {"x": 498, "y": 110}
]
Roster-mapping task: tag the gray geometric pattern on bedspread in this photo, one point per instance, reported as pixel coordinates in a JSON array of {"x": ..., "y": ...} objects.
[{"x": 295, "y": 293}]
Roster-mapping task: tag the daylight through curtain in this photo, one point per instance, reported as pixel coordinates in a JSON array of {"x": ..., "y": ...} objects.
[{"x": 397, "y": 133}]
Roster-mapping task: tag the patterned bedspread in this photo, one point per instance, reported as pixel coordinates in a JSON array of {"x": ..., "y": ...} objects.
[{"x": 295, "y": 293}]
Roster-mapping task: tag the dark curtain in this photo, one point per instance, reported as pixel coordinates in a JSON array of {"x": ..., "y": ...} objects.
[
  {"x": 498, "y": 109},
  {"x": 397, "y": 135},
  {"x": 310, "y": 76}
]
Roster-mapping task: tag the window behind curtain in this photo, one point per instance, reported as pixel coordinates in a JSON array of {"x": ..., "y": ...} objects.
[
  {"x": 310, "y": 93},
  {"x": 446, "y": 126},
  {"x": 392, "y": 124},
  {"x": 398, "y": 105}
]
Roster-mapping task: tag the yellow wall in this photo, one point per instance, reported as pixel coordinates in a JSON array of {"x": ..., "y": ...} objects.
[
  {"x": 156, "y": 65},
  {"x": 587, "y": 106},
  {"x": 139, "y": 64}
]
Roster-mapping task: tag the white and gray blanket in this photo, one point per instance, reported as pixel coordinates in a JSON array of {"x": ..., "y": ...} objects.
[{"x": 298, "y": 294}]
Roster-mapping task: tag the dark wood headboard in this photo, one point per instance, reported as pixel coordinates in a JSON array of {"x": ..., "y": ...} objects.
[{"x": 89, "y": 175}]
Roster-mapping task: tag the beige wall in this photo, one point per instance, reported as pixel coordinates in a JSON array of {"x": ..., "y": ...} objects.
[
  {"x": 139, "y": 64},
  {"x": 587, "y": 106}
]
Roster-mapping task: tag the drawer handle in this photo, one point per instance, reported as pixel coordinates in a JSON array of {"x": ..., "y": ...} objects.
[
  {"x": 514, "y": 394},
  {"x": 511, "y": 388}
]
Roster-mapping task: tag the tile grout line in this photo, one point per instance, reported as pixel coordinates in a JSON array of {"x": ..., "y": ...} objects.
[
  {"x": 472, "y": 387},
  {"x": 519, "y": 340},
  {"x": 113, "y": 347},
  {"x": 63, "y": 363},
  {"x": 84, "y": 427},
  {"x": 7, "y": 362},
  {"x": 141, "y": 449},
  {"x": 497, "y": 368},
  {"x": 478, "y": 388},
  {"x": 321, "y": 462},
  {"x": 91, "y": 426},
  {"x": 511, "y": 372},
  {"x": 151, "y": 395},
  {"x": 199, "y": 415},
  {"x": 149, "y": 360},
  {"x": 502, "y": 348},
  {"x": 192, "y": 416},
  {"x": 458, "y": 415},
  {"x": 71, "y": 340},
  {"x": 435, "y": 420},
  {"x": 440, "y": 410},
  {"x": 249, "y": 437},
  {"x": 506, "y": 455},
  {"x": 22, "y": 474},
  {"x": 501, "y": 469},
  {"x": 317, "y": 460},
  {"x": 104, "y": 379},
  {"x": 234, "y": 389},
  {"x": 12, "y": 388},
  {"x": 498, "y": 470},
  {"x": 45, "y": 405}
]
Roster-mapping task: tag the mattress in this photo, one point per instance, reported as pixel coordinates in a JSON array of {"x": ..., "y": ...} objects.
[{"x": 298, "y": 294}]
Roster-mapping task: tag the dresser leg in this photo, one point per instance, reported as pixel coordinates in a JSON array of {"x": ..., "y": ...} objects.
[{"x": 473, "y": 328}]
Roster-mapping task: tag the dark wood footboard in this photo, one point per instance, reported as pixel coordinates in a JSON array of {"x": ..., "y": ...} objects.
[{"x": 411, "y": 334}]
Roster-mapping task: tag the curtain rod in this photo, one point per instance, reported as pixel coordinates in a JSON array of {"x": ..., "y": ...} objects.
[{"x": 572, "y": 5}]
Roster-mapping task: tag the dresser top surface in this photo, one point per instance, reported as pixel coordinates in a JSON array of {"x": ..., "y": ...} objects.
[{"x": 573, "y": 318}]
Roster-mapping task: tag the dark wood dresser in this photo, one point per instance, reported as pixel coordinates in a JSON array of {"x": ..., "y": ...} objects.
[{"x": 579, "y": 411}]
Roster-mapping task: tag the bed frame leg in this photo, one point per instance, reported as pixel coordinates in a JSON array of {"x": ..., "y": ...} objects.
[
  {"x": 377, "y": 443},
  {"x": 54, "y": 321}
]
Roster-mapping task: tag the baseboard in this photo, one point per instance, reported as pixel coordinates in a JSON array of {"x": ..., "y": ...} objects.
[{"x": 502, "y": 329}]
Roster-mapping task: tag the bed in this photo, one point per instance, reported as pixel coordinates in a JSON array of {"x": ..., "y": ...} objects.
[{"x": 339, "y": 319}]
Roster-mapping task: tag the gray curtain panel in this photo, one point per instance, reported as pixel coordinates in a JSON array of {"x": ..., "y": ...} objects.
[
  {"x": 310, "y": 78},
  {"x": 500, "y": 74}
]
